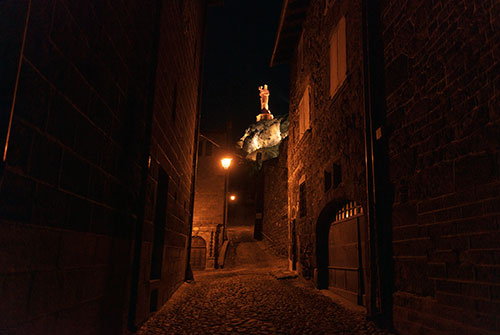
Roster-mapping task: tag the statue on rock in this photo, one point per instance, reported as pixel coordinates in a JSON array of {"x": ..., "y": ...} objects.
[
  {"x": 265, "y": 113},
  {"x": 264, "y": 98}
]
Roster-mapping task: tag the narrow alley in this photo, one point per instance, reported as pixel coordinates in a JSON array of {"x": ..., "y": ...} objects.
[
  {"x": 246, "y": 297},
  {"x": 249, "y": 167}
]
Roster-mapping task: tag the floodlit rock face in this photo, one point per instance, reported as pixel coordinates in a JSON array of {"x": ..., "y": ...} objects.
[{"x": 264, "y": 137}]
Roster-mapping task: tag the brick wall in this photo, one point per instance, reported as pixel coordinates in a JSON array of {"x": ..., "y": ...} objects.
[
  {"x": 73, "y": 171},
  {"x": 209, "y": 192},
  {"x": 275, "y": 211},
  {"x": 442, "y": 64},
  {"x": 172, "y": 144}
]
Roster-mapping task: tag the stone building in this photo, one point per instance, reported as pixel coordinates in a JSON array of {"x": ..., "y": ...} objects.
[
  {"x": 99, "y": 111},
  {"x": 393, "y": 157},
  {"x": 209, "y": 201}
]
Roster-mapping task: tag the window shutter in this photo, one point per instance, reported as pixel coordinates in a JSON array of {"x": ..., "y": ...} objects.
[
  {"x": 341, "y": 55},
  {"x": 300, "y": 57},
  {"x": 301, "y": 121},
  {"x": 307, "y": 109},
  {"x": 338, "y": 56},
  {"x": 304, "y": 112},
  {"x": 333, "y": 63}
]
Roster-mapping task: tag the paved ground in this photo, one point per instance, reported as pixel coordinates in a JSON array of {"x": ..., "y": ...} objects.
[{"x": 243, "y": 298}]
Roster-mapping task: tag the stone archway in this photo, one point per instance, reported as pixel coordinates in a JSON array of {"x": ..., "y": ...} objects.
[
  {"x": 198, "y": 253},
  {"x": 340, "y": 250}
]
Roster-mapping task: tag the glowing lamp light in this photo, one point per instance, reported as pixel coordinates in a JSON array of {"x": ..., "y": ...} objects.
[
  {"x": 232, "y": 197},
  {"x": 226, "y": 162}
]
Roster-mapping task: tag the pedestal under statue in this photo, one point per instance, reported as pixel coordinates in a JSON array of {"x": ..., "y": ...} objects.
[{"x": 265, "y": 113}]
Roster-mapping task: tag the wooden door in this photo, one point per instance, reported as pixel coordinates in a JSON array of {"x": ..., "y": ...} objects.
[
  {"x": 198, "y": 253},
  {"x": 345, "y": 268}
]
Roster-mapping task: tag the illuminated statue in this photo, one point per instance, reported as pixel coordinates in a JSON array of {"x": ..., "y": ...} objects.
[
  {"x": 264, "y": 98},
  {"x": 265, "y": 113}
]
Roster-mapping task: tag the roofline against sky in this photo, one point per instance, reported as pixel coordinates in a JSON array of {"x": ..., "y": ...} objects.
[{"x": 278, "y": 33}]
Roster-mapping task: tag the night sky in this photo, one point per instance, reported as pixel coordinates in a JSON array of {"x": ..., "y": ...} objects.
[{"x": 239, "y": 45}]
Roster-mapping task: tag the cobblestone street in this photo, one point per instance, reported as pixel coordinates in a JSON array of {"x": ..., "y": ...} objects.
[{"x": 244, "y": 298}]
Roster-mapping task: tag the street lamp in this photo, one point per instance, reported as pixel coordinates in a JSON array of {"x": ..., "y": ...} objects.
[{"x": 226, "y": 163}]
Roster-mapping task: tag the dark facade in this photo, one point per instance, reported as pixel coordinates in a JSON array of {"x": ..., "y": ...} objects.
[
  {"x": 243, "y": 182},
  {"x": 393, "y": 182},
  {"x": 274, "y": 177},
  {"x": 99, "y": 108},
  {"x": 443, "y": 127}
]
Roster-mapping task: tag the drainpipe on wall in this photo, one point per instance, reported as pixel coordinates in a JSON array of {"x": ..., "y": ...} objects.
[
  {"x": 373, "y": 296},
  {"x": 136, "y": 264},
  {"x": 189, "y": 273},
  {"x": 378, "y": 190}
]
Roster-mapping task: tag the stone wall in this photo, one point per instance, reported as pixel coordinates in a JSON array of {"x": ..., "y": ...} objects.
[
  {"x": 172, "y": 145},
  {"x": 442, "y": 130},
  {"x": 78, "y": 76},
  {"x": 336, "y": 132},
  {"x": 443, "y": 124},
  {"x": 275, "y": 211}
]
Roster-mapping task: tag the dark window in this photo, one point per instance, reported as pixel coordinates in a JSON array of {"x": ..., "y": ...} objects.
[
  {"x": 174, "y": 103},
  {"x": 337, "y": 175},
  {"x": 153, "y": 301},
  {"x": 208, "y": 149},
  {"x": 302, "y": 200},
  {"x": 159, "y": 224},
  {"x": 328, "y": 180}
]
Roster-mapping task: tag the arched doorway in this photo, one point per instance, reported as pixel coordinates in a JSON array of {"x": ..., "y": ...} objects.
[
  {"x": 341, "y": 247},
  {"x": 198, "y": 253}
]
